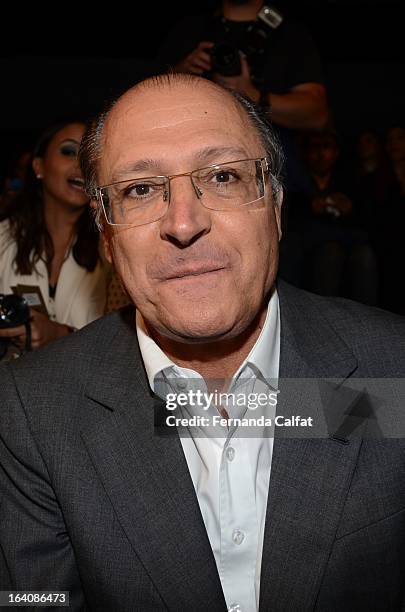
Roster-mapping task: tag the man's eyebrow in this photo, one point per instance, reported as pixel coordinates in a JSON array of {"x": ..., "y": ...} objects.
[
  {"x": 209, "y": 155},
  {"x": 142, "y": 165},
  {"x": 213, "y": 154}
]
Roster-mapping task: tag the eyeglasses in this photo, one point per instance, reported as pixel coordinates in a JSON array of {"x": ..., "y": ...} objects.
[{"x": 226, "y": 186}]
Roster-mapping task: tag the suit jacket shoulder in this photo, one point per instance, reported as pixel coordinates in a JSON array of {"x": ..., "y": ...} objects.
[{"x": 375, "y": 337}]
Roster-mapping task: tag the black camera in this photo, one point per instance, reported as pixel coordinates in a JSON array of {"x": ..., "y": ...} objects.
[
  {"x": 251, "y": 39},
  {"x": 225, "y": 59},
  {"x": 14, "y": 311}
]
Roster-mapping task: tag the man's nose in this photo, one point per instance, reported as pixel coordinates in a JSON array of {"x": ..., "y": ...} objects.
[{"x": 186, "y": 219}]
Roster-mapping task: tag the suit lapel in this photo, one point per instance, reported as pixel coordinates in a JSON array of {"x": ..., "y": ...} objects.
[
  {"x": 309, "y": 477},
  {"x": 147, "y": 480}
]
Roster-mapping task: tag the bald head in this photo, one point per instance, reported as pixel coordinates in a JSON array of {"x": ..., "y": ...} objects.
[{"x": 174, "y": 82}]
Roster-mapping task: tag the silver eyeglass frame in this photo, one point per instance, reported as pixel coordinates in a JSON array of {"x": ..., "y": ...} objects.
[{"x": 96, "y": 193}]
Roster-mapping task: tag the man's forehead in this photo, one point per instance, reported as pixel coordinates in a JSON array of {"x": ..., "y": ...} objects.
[
  {"x": 180, "y": 122},
  {"x": 165, "y": 107}
]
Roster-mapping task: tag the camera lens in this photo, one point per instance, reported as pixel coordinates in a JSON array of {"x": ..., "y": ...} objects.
[
  {"x": 225, "y": 60},
  {"x": 14, "y": 311}
]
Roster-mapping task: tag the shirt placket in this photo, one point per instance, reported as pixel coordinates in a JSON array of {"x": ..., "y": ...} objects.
[{"x": 238, "y": 516}]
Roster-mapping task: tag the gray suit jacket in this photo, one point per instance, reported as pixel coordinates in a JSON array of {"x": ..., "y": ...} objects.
[{"x": 94, "y": 503}]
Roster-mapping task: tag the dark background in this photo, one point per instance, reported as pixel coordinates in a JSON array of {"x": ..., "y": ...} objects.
[{"x": 68, "y": 59}]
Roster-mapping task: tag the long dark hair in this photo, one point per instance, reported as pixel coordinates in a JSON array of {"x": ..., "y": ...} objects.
[{"x": 27, "y": 220}]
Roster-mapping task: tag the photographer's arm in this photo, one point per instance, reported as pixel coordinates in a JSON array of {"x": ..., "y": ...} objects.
[
  {"x": 303, "y": 107},
  {"x": 37, "y": 553}
]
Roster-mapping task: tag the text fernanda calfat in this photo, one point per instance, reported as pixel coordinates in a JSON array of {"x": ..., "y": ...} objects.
[{"x": 205, "y": 421}]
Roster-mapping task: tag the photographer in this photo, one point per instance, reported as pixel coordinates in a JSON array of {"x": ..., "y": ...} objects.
[{"x": 286, "y": 75}]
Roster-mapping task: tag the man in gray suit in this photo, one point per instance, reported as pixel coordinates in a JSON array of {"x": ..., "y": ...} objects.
[{"x": 185, "y": 179}]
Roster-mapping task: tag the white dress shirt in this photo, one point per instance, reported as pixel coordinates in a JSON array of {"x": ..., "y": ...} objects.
[{"x": 229, "y": 467}]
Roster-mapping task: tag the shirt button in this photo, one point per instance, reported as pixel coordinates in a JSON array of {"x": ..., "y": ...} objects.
[
  {"x": 238, "y": 536},
  {"x": 230, "y": 453},
  {"x": 234, "y": 608},
  {"x": 181, "y": 383}
]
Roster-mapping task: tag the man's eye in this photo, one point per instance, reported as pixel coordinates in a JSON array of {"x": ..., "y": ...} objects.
[
  {"x": 225, "y": 176},
  {"x": 140, "y": 191}
]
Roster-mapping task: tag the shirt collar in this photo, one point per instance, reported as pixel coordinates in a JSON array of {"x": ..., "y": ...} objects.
[
  {"x": 264, "y": 355},
  {"x": 154, "y": 359}
]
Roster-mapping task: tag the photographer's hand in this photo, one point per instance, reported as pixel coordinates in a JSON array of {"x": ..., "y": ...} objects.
[
  {"x": 43, "y": 330},
  {"x": 241, "y": 83},
  {"x": 198, "y": 61}
]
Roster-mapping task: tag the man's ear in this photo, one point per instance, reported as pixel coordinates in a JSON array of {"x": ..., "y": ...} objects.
[
  {"x": 106, "y": 247},
  {"x": 103, "y": 231},
  {"x": 277, "y": 209},
  {"x": 38, "y": 167}
]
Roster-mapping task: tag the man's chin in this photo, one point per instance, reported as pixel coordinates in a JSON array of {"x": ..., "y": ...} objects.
[{"x": 191, "y": 326}]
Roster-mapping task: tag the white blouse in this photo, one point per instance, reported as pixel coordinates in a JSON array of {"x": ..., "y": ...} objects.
[{"x": 80, "y": 295}]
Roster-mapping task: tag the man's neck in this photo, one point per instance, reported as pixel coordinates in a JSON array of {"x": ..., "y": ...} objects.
[
  {"x": 245, "y": 12},
  {"x": 214, "y": 360}
]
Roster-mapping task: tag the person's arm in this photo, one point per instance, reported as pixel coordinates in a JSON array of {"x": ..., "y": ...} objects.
[
  {"x": 303, "y": 107},
  {"x": 37, "y": 553}
]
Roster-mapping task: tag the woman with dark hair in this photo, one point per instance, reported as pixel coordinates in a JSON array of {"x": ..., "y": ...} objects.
[{"x": 49, "y": 248}]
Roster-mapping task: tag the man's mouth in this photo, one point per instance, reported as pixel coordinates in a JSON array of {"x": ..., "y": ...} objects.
[{"x": 195, "y": 270}]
